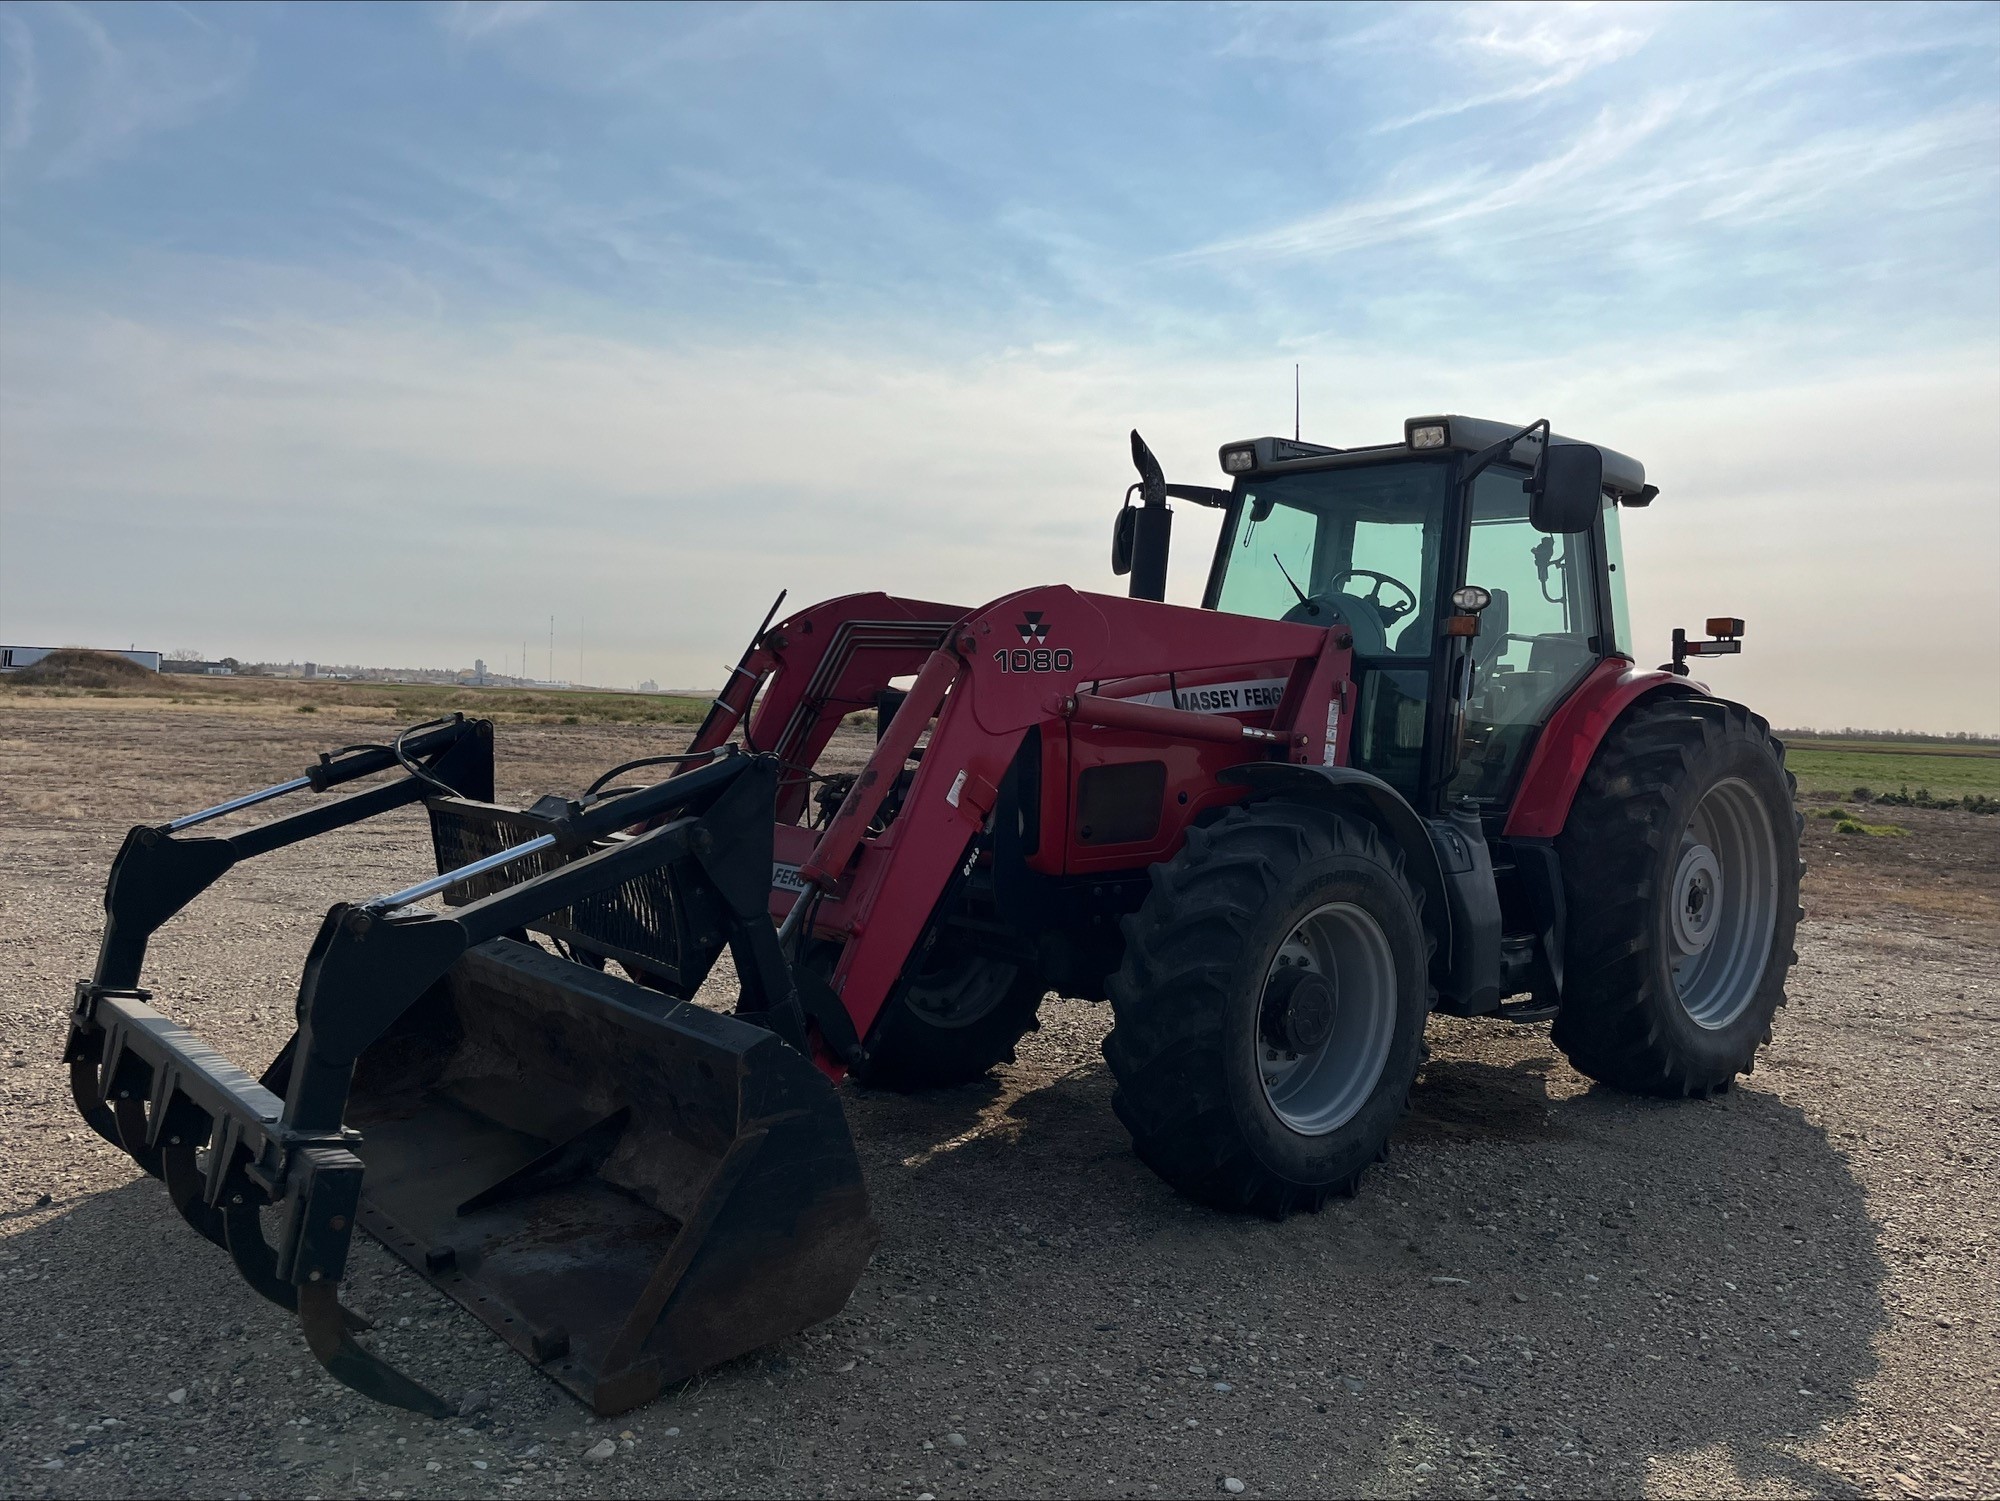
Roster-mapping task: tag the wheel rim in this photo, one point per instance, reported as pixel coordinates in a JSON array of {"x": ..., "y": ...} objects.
[
  {"x": 1723, "y": 904},
  {"x": 1325, "y": 1018},
  {"x": 956, "y": 988}
]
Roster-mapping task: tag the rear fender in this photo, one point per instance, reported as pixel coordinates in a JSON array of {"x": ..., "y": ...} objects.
[
  {"x": 1349, "y": 790},
  {"x": 1563, "y": 752}
]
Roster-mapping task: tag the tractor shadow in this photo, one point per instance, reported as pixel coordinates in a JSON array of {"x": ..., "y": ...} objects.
[
  {"x": 1603, "y": 1292},
  {"x": 1545, "y": 1270}
]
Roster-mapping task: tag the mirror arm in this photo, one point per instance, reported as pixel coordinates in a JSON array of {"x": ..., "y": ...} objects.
[
  {"x": 1201, "y": 495},
  {"x": 1492, "y": 451}
]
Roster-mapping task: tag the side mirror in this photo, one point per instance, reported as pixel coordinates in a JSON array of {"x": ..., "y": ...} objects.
[
  {"x": 1567, "y": 488},
  {"x": 1124, "y": 531}
]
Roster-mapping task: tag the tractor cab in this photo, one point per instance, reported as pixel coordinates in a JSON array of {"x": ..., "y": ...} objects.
[{"x": 1480, "y": 584}]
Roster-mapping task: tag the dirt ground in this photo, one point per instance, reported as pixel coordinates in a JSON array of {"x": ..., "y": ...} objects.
[{"x": 1550, "y": 1289}]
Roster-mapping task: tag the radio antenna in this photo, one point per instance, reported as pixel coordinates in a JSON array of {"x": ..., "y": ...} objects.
[{"x": 1295, "y": 402}]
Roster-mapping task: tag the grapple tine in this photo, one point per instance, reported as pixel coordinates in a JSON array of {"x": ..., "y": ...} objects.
[
  {"x": 326, "y": 1323},
  {"x": 129, "y": 1116},
  {"x": 243, "y": 1237},
  {"x": 86, "y": 1088},
  {"x": 125, "y": 1080},
  {"x": 183, "y": 1178},
  {"x": 181, "y": 1128},
  {"x": 185, "y": 1185}
]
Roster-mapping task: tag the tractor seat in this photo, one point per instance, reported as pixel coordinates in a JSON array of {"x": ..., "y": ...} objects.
[{"x": 1560, "y": 656}]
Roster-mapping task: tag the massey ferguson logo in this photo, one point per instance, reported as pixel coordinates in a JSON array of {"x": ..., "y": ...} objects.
[{"x": 1034, "y": 654}]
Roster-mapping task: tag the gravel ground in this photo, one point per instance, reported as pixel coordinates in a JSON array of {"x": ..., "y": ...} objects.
[{"x": 1549, "y": 1290}]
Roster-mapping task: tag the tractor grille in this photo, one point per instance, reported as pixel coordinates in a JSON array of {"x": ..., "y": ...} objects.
[{"x": 649, "y": 924}]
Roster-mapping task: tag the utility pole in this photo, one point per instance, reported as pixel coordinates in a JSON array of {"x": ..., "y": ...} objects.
[
  {"x": 1295, "y": 401},
  {"x": 552, "y": 651}
]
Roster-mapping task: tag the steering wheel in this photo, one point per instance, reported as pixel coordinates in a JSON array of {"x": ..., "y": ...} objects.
[
  {"x": 1390, "y": 612},
  {"x": 1371, "y": 637}
]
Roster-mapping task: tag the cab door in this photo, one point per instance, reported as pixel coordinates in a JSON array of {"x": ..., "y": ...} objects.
[{"x": 1543, "y": 632}]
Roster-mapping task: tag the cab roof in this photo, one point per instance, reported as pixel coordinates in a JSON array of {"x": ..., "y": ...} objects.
[{"x": 1624, "y": 476}]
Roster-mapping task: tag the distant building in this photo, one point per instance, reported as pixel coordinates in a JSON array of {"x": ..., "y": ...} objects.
[
  {"x": 312, "y": 669},
  {"x": 14, "y": 658},
  {"x": 199, "y": 669},
  {"x": 649, "y": 686}
]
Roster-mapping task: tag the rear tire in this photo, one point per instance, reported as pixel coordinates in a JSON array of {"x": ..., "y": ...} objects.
[
  {"x": 1681, "y": 868},
  {"x": 1269, "y": 1012},
  {"x": 955, "y": 1015}
]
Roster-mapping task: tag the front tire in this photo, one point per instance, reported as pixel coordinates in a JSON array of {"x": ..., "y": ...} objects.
[
  {"x": 1269, "y": 1011},
  {"x": 1680, "y": 864},
  {"x": 958, "y": 1011}
]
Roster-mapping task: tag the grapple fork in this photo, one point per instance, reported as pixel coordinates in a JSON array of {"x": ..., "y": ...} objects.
[{"x": 625, "y": 1186}]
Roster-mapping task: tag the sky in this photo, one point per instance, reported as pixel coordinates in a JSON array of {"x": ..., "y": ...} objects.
[{"x": 383, "y": 334}]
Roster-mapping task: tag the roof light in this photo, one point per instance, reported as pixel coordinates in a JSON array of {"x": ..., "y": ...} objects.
[
  {"x": 1470, "y": 599},
  {"x": 1430, "y": 435},
  {"x": 1239, "y": 460}
]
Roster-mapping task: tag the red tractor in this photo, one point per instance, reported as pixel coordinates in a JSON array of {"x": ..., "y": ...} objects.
[{"x": 1400, "y": 761}]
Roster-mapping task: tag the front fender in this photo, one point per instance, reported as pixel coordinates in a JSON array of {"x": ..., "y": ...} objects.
[{"x": 1351, "y": 790}]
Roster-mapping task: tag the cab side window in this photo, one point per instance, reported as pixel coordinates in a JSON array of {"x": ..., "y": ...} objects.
[{"x": 1536, "y": 639}]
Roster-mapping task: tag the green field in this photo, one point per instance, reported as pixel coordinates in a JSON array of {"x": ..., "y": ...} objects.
[
  {"x": 1838, "y": 767},
  {"x": 404, "y": 702}
]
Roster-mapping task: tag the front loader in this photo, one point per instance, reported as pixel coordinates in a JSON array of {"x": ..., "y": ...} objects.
[{"x": 1400, "y": 761}]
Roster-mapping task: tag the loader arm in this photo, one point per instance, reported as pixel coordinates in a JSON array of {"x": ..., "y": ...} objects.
[
  {"x": 986, "y": 688},
  {"x": 812, "y": 669}
]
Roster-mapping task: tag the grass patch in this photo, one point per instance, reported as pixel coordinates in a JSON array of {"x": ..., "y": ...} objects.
[{"x": 1871, "y": 830}]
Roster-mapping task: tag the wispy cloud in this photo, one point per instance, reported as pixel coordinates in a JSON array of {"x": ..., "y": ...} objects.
[
  {"x": 83, "y": 94},
  {"x": 1539, "y": 48},
  {"x": 1462, "y": 198},
  {"x": 471, "y": 20},
  {"x": 18, "y": 122},
  {"x": 598, "y": 50},
  {"x": 1652, "y": 169},
  {"x": 1473, "y": 55}
]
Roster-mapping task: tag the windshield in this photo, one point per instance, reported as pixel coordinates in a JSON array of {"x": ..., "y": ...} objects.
[{"x": 1358, "y": 546}]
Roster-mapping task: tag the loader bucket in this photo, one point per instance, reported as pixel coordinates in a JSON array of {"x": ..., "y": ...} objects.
[{"x": 626, "y": 1186}]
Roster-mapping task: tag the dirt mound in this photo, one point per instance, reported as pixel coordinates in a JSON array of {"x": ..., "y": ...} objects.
[{"x": 74, "y": 667}]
